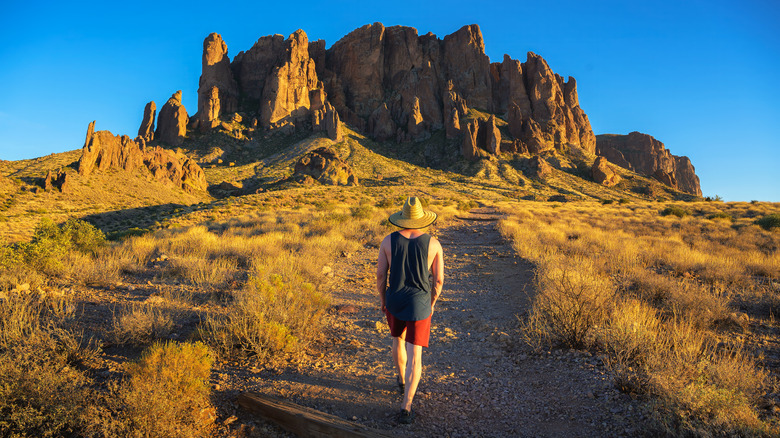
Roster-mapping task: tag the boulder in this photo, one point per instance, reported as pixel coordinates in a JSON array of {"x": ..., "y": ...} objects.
[
  {"x": 603, "y": 173},
  {"x": 647, "y": 156},
  {"x": 180, "y": 170},
  {"x": 327, "y": 119},
  {"x": 380, "y": 124},
  {"x": 146, "y": 130},
  {"x": 323, "y": 165},
  {"x": 217, "y": 90},
  {"x": 58, "y": 180},
  {"x": 492, "y": 136},
  {"x": 539, "y": 167},
  {"x": 172, "y": 121},
  {"x": 469, "y": 145}
]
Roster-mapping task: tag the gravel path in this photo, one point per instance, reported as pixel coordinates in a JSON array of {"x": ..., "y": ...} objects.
[{"x": 478, "y": 378}]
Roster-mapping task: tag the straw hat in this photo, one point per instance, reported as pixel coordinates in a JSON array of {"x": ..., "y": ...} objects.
[{"x": 412, "y": 215}]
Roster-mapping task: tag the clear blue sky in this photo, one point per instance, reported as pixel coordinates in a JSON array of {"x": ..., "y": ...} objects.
[{"x": 700, "y": 76}]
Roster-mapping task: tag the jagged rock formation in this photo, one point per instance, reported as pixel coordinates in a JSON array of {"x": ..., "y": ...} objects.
[
  {"x": 146, "y": 130},
  {"x": 103, "y": 151},
  {"x": 217, "y": 90},
  {"x": 58, "y": 180},
  {"x": 392, "y": 82},
  {"x": 648, "y": 156},
  {"x": 172, "y": 121},
  {"x": 323, "y": 165},
  {"x": 603, "y": 173}
]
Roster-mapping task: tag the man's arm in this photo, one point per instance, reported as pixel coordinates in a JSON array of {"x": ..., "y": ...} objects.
[
  {"x": 382, "y": 266},
  {"x": 437, "y": 270}
]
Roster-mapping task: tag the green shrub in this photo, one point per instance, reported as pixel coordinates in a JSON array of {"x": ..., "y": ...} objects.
[
  {"x": 675, "y": 211},
  {"x": 386, "y": 203},
  {"x": 467, "y": 205},
  {"x": 720, "y": 215},
  {"x": 51, "y": 242},
  {"x": 623, "y": 201},
  {"x": 769, "y": 221},
  {"x": 607, "y": 201},
  {"x": 363, "y": 211}
]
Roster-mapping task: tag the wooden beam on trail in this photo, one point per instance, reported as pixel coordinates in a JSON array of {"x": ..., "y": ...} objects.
[{"x": 303, "y": 421}]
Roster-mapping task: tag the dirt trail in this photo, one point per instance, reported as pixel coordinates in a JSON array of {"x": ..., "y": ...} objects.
[{"x": 478, "y": 378}]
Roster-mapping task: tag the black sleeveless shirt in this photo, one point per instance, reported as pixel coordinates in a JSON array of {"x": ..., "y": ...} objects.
[{"x": 408, "y": 297}]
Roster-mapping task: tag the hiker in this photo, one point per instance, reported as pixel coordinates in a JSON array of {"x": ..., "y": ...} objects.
[{"x": 416, "y": 264}]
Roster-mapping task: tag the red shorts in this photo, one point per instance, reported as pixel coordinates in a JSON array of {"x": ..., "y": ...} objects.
[{"x": 417, "y": 332}]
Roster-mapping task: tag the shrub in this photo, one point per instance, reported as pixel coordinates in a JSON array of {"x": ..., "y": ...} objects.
[
  {"x": 167, "y": 391},
  {"x": 623, "y": 201},
  {"x": 141, "y": 324},
  {"x": 675, "y": 211},
  {"x": 720, "y": 215},
  {"x": 769, "y": 221},
  {"x": 572, "y": 299},
  {"x": 607, "y": 201},
  {"x": 363, "y": 211},
  {"x": 467, "y": 205},
  {"x": 40, "y": 393},
  {"x": 270, "y": 319}
]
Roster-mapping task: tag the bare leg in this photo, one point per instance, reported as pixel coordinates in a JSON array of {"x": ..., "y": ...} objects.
[
  {"x": 413, "y": 374},
  {"x": 399, "y": 355}
]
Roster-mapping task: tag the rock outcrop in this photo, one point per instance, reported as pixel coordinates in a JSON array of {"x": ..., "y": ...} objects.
[
  {"x": 172, "y": 121},
  {"x": 603, "y": 173},
  {"x": 146, "y": 130},
  {"x": 56, "y": 180},
  {"x": 492, "y": 136},
  {"x": 539, "y": 167},
  {"x": 392, "y": 82},
  {"x": 217, "y": 90},
  {"x": 105, "y": 151},
  {"x": 648, "y": 156},
  {"x": 323, "y": 165}
]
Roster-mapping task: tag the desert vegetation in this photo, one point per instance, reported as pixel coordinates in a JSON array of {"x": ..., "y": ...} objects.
[
  {"x": 668, "y": 294},
  {"x": 252, "y": 281}
]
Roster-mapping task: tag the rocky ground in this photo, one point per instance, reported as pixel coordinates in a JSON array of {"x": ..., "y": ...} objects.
[{"x": 479, "y": 379}]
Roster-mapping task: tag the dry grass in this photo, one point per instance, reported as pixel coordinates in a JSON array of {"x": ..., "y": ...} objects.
[{"x": 676, "y": 272}]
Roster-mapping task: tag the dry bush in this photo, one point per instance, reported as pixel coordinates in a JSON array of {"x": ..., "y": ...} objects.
[
  {"x": 166, "y": 392},
  {"x": 571, "y": 300},
  {"x": 140, "y": 324},
  {"x": 41, "y": 393},
  {"x": 269, "y": 319}
]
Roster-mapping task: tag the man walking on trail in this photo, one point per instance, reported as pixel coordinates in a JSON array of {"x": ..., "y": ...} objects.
[{"x": 416, "y": 264}]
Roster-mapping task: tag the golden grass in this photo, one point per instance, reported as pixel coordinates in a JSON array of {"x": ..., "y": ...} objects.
[{"x": 675, "y": 278}]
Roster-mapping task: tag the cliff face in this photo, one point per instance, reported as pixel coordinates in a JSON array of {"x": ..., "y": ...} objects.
[
  {"x": 390, "y": 82},
  {"x": 393, "y": 84},
  {"x": 648, "y": 156}
]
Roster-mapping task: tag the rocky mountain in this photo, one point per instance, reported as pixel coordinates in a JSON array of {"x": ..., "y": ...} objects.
[
  {"x": 644, "y": 154},
  {"x": 392, "y": 84}
]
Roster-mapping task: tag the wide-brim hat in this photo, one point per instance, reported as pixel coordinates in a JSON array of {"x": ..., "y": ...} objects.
[{"x": 412, "y": 215}]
